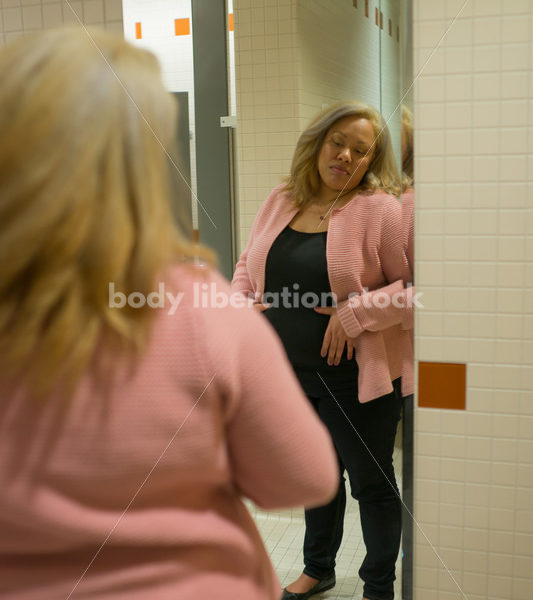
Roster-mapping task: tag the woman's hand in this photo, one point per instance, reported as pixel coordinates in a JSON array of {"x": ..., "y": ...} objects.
[{"x": 335, "y": 338}]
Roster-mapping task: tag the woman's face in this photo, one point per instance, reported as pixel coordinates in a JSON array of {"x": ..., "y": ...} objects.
[{"x": 346, "y": 154}]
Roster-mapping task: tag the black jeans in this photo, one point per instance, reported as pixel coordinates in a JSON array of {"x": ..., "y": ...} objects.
[{"x": 362, "y": 434}]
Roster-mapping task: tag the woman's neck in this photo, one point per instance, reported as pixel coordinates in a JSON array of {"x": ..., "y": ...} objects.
[{"x": 328, "y": 197}]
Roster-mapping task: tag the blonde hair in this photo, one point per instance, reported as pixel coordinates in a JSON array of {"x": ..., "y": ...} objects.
[
  {"x": 304, "y": 179},
  {"x": 407, "y": 139},
  {"x": 84, "y": 200}
]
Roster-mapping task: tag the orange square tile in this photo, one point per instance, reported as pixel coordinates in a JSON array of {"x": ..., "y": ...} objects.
[
  {"x": 442, "y": 385},
  {"x": 231, "y": 26},
  {"x": 182, "y": 27},
  {"x": 138, "y": 31}
]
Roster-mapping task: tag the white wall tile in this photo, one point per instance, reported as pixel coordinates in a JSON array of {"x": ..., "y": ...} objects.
[
  {"x": 32, "y": 17},
  {"x": 93, "y": 11},
  {"x": 52, "y": 15},
  {"x": 12, "y": 19},
  {"x": 482, "y": 251}
]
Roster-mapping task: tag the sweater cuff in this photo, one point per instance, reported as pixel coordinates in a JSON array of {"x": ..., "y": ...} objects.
[
  {"x": 348, "y": 320},
  {"x": 372, "y": 308}
]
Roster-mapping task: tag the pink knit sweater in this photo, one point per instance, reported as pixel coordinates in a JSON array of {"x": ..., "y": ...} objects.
[
  {"x": 155, "y": 465},
  {"x": 408, "y": 221},
  {"x": 366, "y": 264}
]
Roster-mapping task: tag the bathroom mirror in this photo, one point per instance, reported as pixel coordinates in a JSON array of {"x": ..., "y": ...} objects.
[
  {"x": 273, "y": 64},
  {"x": 291, "y": 59}
]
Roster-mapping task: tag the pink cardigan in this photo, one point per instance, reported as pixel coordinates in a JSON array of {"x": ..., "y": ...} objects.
[
  {"x": 366, "y": 257},
  {"x": 408, "y": 221},
  {"x": 214, "y": 393}
]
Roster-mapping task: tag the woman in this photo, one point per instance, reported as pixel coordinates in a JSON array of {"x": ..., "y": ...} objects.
[
  {"x": 332, "y": 232},
  {"x": 408, "y": 192},
  {"x": 408, "y": 401},
  {"x": 129, "y": 426}
]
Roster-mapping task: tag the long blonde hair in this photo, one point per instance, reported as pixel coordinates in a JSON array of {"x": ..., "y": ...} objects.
[
  {"x": 304, "y": 179},
  {"x": 408, "y": 146},
  {"x": 84, "y": 200}
]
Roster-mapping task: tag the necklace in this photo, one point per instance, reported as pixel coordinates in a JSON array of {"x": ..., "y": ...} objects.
[{"x": 319, "y": 215}]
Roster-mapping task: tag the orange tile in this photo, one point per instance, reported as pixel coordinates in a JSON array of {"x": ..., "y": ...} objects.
[
  {"x": 366, "y": 8},
  {"x": 231, "y": 21},
  {"x": 195, "y": 235},
  {"x": 182, "y": 27},
  {"x": 376, "y": 10},
  {"x": 380, "y": 20},
  {"x": 138, "y": 31},
  {"x": 442, "y": 385}
]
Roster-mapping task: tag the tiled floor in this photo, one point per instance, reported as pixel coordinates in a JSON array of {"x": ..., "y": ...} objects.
[{"x": 283, "y": 534}]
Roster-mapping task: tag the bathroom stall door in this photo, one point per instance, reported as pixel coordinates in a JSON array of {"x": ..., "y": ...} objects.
[
  {"x": 214, "y": 177},
  {"x": 180, "y": 166}
]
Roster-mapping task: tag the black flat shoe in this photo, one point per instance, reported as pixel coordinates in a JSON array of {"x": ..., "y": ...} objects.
[{"x": 321, "y": 586}]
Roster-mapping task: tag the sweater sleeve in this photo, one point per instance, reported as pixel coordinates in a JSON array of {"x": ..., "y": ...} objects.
[
  {"x": 241, "y": 278},
  {"x": 408, "y": 223},
  {"x": 281, "y": 455},
  {"x": 243, "y": 281},
  {"x": 378, "y": 310},
  {"x": 389, "y": 305}
]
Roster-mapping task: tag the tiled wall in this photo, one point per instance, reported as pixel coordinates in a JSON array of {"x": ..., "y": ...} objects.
[
  {"x": 390, "y": 71},
  {"x": 339, "y": 50},
  {"x": 346, "y": 54},
  {"x": 268, "y": 72},
  {"x": 473, "y": 139},
  {"x": 292, "y": 57},
  {"x": 19, "y": 16}
]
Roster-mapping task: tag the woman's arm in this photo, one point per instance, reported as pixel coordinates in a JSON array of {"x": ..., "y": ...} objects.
[
  {"x": 378, "y": 310},
  {"x": 391, "y": 304},
  {"x": 241, "y": 278},
  {"x": 408, "y": 225}
]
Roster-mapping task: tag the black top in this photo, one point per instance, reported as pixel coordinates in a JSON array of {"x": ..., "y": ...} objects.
[{"x": 296, "y": 280}]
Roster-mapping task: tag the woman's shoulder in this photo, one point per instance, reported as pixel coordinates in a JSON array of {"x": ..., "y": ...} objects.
[
  {"x": 381, "y": 196},
  {"x": 374, "y": 199},
  {"x": 202, "y": 286},
  {"x": 208, "y": 304},
  {"x": 408, "y": 197},
  {"x": 277, "y": 204},
  {"x": 191, "y": 278}
]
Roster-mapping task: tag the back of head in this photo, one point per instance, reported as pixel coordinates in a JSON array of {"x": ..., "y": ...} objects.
[
  {"x": 83, "y": 196},
  {"x": 382, "y": 172}
]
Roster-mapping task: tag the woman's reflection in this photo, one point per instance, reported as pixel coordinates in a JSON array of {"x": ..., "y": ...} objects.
[
  {"x": 332, "y": 232},
  {"x": 408, "y": 192},
  {"x": 408, "y": 405}
]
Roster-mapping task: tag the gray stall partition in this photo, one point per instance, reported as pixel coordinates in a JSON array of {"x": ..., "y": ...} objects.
[
  {"x": 213, "y": 161},
  {"x": 180, "y": 167}
]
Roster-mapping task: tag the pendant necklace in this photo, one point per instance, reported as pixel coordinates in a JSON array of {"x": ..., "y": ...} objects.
[{"x": 322, "y": 217}]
